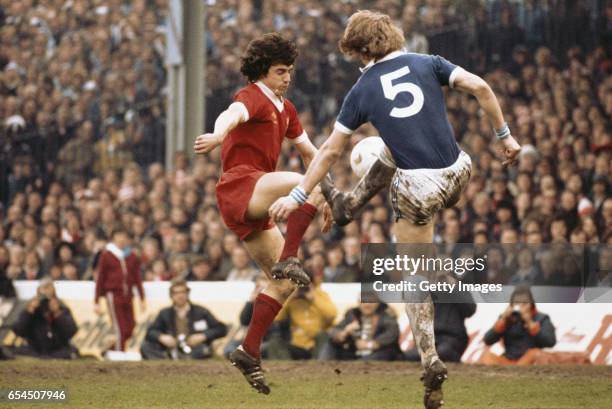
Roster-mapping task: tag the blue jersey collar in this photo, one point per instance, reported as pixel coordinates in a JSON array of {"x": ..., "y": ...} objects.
[{"x": 387, "y": 57}]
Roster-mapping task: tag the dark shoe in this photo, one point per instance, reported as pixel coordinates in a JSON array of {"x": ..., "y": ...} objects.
[
  {"x": 340, "y": 212},
  {"x": 433, "y": 378},
  {"x": 251, "y": 369},
  {"x": 345, "y": 205},
  {"x": 328, "y": 189},
  {"x": 336, "y": 200},
  {"x": 291, "y": 269}
]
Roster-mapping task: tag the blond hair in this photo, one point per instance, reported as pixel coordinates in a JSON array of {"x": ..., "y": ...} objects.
[{"x": 371, "y": 35}]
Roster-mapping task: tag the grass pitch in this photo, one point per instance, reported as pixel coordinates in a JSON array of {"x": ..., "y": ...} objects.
[{"x": 305, "y": 385}]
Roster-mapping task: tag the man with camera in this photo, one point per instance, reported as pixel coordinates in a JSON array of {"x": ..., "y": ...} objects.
[
  {"x": 47, "y": 325},
  {"x": 309, "y": 312},
  {"x": 367, "y": 332},
  {"x": 523, "y": 329},
  {"x": 182, "y": 331}
]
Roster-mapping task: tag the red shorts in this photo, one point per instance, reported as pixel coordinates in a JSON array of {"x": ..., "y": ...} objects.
[{"x": 234, "y": 192}]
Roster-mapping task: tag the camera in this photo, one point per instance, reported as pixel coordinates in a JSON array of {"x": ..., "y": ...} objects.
[
  {"x": 182, "y": 344},
  {"x": 44, "y": 303},
  {"x": 302, "y": 291}
]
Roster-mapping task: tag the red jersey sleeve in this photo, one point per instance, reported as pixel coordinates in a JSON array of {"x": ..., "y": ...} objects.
[
  {"x": 251, "y": 100},
  {"x": 294, "y": 129}
]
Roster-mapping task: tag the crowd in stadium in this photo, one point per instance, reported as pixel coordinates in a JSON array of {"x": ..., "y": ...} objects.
[{"x": 83, "y": 133}]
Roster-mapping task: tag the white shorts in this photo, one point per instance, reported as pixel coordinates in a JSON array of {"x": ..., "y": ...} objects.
[{"x": 418, "y": 194}]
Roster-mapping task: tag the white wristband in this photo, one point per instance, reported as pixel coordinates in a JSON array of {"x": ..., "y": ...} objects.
[
  {"x": 299, "y": 195},
  {"x": 503, "y": 132}
]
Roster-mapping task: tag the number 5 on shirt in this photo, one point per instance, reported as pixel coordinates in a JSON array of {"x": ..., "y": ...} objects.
[{"x": 391, "y": 92}]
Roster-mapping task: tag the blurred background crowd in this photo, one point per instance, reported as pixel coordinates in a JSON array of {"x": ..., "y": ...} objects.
[{"x": 82, "y": 105}]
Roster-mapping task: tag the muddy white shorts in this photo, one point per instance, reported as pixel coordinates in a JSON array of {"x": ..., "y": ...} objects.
[{"x": 418, "y": 194}]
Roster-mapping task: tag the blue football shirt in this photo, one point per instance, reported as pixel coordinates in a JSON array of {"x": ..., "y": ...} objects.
[{"x": 401, "y": 95}]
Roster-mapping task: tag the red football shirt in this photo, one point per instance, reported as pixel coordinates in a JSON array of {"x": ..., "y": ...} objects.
[{"x": 257, "y": 142}]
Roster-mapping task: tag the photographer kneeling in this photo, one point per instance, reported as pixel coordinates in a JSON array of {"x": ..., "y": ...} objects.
[
  {"x": 47, "y": 325},
  {"x": 182, "y": 331},
  {"x": 367, "y": 332},
  {"x": 523, "y": 329}
]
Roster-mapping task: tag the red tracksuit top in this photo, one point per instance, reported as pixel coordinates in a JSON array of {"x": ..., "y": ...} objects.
[{"x": 116, "y": 276}]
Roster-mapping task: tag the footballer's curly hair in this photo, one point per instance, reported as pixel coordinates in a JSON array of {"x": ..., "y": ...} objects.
[
  {"x": 265, "y": 51},
  {"x": 371, "y": 35}
]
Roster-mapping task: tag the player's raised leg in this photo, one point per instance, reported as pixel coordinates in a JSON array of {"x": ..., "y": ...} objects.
[
  {"x": 289, "y": 264},
  {"x": 345, "y": 205},
  {"x": 270, "y": 187}
]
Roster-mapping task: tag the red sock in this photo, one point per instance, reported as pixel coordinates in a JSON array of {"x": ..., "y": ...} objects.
[
  {"x": 265, "y": 309},
  {"x": 297, "y": 223}
]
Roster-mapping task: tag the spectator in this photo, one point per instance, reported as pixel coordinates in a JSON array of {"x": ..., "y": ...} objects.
[
  {"x": 315, "y": 265},
  {"x": 601, "y": 274},
  {"x": 352, "y": 254},
  {"x": 558, "y": 230},
  {"x": 65, "y": 254},
  {"x": 77, "y": 157},
  {"x": 550, "y": 269},
  {"x": 589, "y": 226},
  {"x": 118, "y": 274},
  {"x": 496, "y": 270},
  {"x": 310, "y": 312},
  {"x": 159, "y": 271},
  {"x": 526, "y": 272},
  {"x": 16, "y": 260},
  {"x": 605, "y": 217},
  {"x": 599, "y": 191},
  {"x": 179, "y": 266},
  {"x": 523, "y": 329},
  {"x": 367, "y": 332},
  {"x": 47, "y": 325},
  {"x": 111, "y": 152},
  {"x": 242, "y": 269},
  {"x": 197, "y": 236},
  {"x": 200, "y": 269},
  {"x": 6, "y": 284},
  {"x": 182, "y": 331},
  {"x": 31, "y": 267},
  {"x": 336, "y": 271},
  {"x": 70, "y": 272},
  {"x": 578, "y": 236}
]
